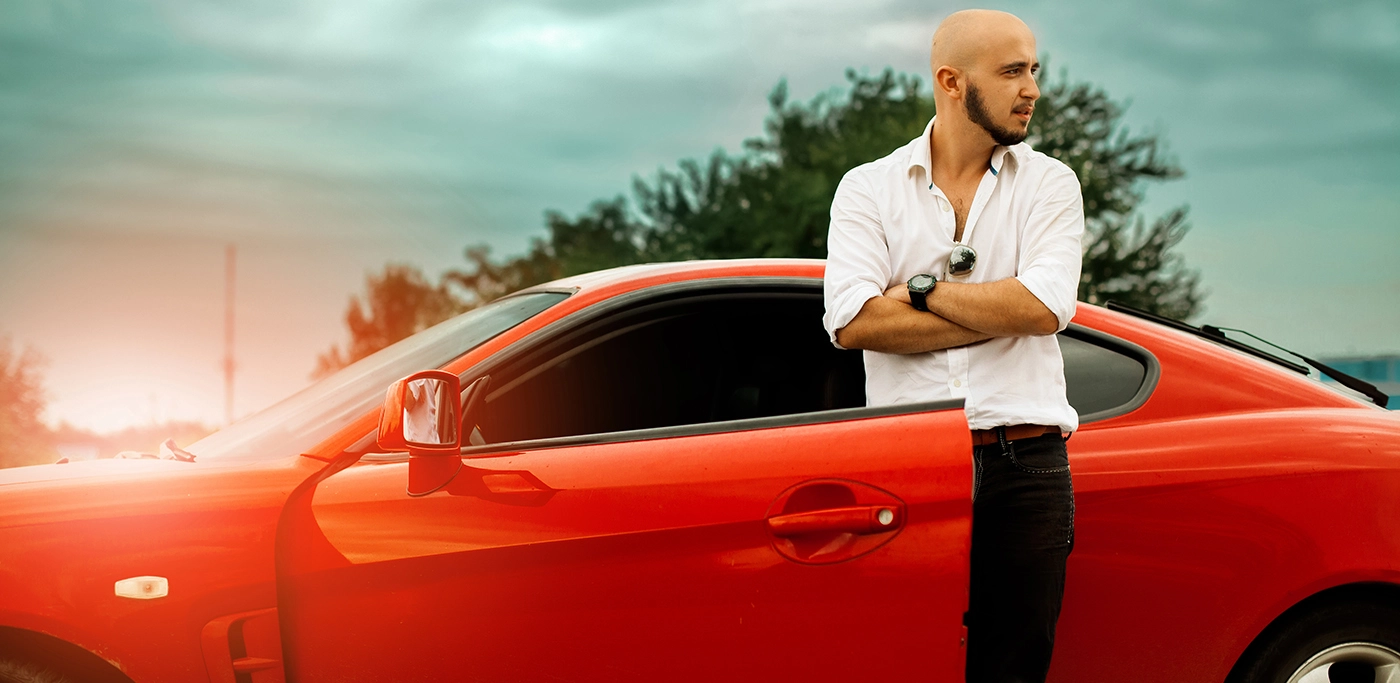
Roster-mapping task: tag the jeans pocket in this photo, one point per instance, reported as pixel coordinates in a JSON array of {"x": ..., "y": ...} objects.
[{"x": 1039, "y": 459}]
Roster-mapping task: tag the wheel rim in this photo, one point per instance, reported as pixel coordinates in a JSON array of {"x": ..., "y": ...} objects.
[{"x": 1350, "y": 663}]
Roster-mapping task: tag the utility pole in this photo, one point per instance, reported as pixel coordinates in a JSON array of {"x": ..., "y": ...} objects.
[{"x": 230, "y": 256}]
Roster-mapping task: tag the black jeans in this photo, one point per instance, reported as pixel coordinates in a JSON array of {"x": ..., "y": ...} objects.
[{"x": 1022, "y": 534}]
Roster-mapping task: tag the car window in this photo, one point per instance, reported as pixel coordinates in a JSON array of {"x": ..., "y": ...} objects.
[
  {"x": 315, "y": 413},
  {"x": 696, "y": 362},
  {"x": 1099, "y": 379},
  {"x": 684, "y": 364}
]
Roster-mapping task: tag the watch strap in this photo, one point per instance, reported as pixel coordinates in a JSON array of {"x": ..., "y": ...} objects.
[{"x": 918, "y": 299}]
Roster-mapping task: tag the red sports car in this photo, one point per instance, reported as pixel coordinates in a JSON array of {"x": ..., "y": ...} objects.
[{"x": 667, "y": 472}]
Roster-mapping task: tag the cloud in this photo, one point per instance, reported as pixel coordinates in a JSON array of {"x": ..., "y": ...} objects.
[
  {"x": 474, "y": 118},
  {"x": 419, "y": 106}
]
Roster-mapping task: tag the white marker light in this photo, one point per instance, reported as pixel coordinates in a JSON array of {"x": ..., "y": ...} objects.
[{"x": 143, "y": 587}]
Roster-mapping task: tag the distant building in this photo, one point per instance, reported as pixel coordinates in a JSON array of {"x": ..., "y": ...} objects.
[{"x": 1382, "y": 371}]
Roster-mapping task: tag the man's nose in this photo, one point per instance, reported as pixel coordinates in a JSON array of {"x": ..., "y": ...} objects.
[{"x": 1031, "y": 90}]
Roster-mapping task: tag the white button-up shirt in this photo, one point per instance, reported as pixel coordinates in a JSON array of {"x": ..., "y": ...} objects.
[{"x": 890, "y": 222}]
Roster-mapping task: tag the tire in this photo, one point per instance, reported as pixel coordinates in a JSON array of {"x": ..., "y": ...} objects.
[{"x": 1350, "y": 642}]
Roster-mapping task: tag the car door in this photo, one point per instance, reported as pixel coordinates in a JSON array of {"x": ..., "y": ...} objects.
[
  {"x": 661, "y": 499},
  {"x": 650, "y": 559}
]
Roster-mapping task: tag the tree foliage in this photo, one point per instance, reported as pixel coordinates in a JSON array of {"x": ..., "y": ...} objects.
[
  {"x": 397, "y": 303},
  {"x": 773, "y": 199},
  {"x": 24, "y": 438}
]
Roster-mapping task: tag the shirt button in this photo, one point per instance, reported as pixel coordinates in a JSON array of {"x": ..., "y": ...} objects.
[
  {"x": 957, "y": 382},
  {"x": 943, "y": 204}
]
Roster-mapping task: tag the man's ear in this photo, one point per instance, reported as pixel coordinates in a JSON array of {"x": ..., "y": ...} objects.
[{"x": 950, "y": 81}]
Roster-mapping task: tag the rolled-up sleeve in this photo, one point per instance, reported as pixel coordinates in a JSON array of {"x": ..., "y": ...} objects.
[
  {"x": 1051, "y": 255},
  {"x": 858, "y": 257}
]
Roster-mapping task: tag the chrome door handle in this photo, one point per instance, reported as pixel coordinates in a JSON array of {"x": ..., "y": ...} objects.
[{"x": 854, "y": 519}]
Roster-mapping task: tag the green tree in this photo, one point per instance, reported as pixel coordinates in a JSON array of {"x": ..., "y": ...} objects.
[
  {"x": 24, "y": 438},
  {"x": 397, "y": 303}
]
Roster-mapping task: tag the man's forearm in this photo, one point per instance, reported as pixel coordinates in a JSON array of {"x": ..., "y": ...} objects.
[
  {"x": 890, "y": 326},
  {"x": 1004, "y": 308}
]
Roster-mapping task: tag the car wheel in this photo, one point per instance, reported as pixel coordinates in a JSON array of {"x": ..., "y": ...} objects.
[
  {"x": 19, "y": 672},
  {"x": 1341, "y": 643}
]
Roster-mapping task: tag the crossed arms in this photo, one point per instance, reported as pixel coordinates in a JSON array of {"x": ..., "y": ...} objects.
[
  {"x": 868, "y": 307},
  {"x": 959, "y": 314}
]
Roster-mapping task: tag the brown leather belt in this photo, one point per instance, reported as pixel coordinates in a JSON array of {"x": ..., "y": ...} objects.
[{"x": 983, "y": 437}]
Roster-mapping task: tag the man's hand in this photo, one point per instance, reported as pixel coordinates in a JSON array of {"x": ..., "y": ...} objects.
[{"x": 900, "y": 293}]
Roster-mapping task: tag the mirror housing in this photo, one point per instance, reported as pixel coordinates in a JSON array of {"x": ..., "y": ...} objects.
[{"x": 421, "y": 414}]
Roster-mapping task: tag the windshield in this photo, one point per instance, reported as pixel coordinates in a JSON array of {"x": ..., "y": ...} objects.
[{"x": 311, "y": 415}]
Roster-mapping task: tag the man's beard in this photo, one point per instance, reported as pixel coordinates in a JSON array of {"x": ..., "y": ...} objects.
[{"x": 977, "y": 113}]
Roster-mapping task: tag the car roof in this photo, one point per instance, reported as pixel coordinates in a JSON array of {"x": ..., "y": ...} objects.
[
  {"x": 622, "y": 278},
  {"x": 645, "y": 274}
]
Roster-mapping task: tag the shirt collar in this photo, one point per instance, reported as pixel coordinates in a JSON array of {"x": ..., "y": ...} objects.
[{"x": 919, "y": 156}]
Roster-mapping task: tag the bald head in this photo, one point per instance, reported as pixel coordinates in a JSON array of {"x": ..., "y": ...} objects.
[
  {"x": 984, "y": 87},
  {"x": 966, "y": 39}
]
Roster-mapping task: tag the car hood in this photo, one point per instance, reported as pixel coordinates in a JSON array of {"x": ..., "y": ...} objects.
[
  {"x": 106, "y": 489},
  {"x": 107, "y": 469}
]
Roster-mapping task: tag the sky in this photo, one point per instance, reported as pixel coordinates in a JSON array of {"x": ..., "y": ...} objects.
[{"x": 327, "y": 138}]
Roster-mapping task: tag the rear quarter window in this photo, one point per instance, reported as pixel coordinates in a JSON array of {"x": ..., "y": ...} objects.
[{"x": 1105, "y": 376}]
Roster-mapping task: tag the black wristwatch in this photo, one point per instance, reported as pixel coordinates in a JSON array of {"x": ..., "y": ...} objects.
[{"x": 919, "y": 287}]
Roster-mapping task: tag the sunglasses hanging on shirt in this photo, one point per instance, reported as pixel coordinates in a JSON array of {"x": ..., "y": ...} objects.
[{"x": 962, "y": 260}]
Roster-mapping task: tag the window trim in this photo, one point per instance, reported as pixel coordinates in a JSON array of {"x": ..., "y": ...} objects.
[
  {"x": 506, "y": 448},
  {"x": 1126, "y": 348}
]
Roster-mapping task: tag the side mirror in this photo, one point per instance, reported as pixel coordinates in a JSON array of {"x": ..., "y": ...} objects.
[{"x": 421, "y": 413}]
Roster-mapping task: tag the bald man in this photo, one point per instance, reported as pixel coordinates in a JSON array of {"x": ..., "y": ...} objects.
[{"x": 953, "y": 262}]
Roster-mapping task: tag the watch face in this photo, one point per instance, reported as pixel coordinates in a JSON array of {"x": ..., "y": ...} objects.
[{"x": 922, "y": 282}]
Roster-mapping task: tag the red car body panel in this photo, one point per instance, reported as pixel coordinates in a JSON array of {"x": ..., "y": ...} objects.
[
  {"x": 209, "y": 529},
  {"x": 1236, "y": 490},
  {"x": 1193, "y": 535},
  {"x": 606, "y": 556}
]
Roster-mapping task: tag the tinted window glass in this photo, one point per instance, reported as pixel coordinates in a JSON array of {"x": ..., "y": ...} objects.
[
  {"x": 1099, "y": 378},
  {"x": 313, "y": 414},
  {"x": 687, "y": 364}
]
